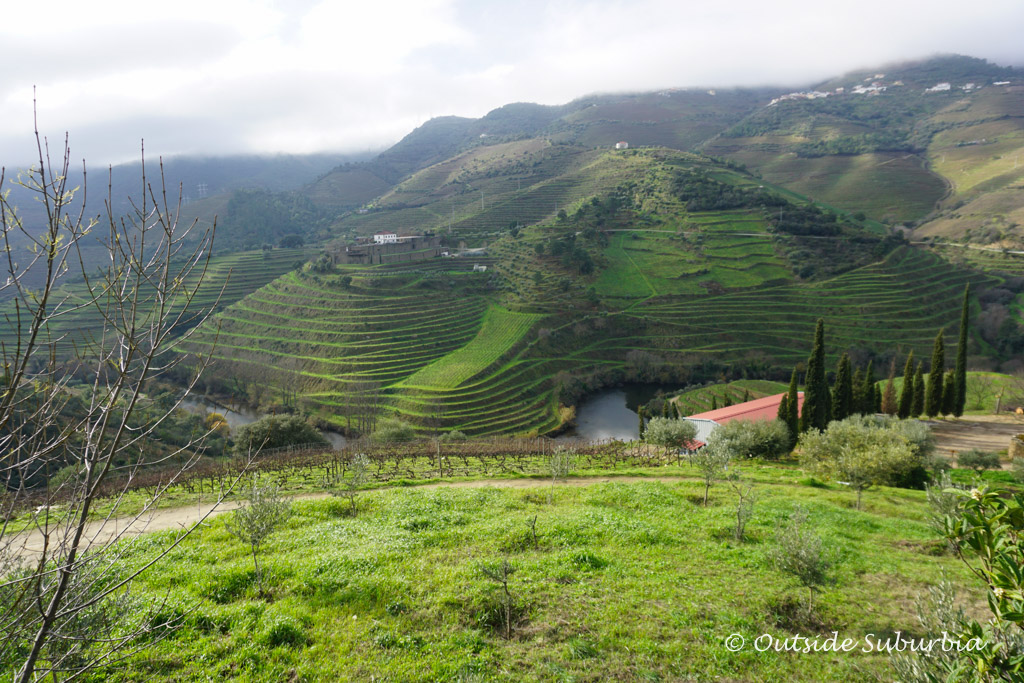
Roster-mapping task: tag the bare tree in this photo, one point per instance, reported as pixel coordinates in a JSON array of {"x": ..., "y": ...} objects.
[
  {"x": 64, "y": 538},
  {"x": 980, "y": 390}
]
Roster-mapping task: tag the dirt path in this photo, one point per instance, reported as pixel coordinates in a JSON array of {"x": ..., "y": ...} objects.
[
  {"x": 31, "y": 544},
  {"x": 956, "y": 436},
  {"x": 952, "y": 436}
]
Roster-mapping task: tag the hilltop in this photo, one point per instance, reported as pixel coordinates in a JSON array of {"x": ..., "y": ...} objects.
[{"x": 930, "y": 144}]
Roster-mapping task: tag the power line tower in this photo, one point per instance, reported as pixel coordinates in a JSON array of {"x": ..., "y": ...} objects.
[{"x": 201, "y": 189}]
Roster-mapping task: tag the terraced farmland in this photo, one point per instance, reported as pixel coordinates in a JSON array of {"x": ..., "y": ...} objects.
[
  {"x": 898, "y": 303},
  {"x": 992, "y": 260},
  {"x": 228, "y": 279},
  {"x": 700, "y": 400},
  {"x": 500, "y": 331},
  {"x": 324, "y": 340}
]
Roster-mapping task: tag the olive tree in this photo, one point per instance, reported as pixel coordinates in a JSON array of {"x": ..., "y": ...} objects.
[
  {"x": 63, "y": 567},
  {"x": 860, "y": 453},
  {"x": 766, "y": 439},
  {"x": 671, "y": 433},
  {"x": 263, "y": 512},
  {"x": 712, "y": 463},
  {"x": 801, "y": 552}
]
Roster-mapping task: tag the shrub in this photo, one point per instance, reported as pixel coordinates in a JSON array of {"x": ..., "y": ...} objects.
[
  {"x": 393, "y": 430},
  {"x": 453, "y": 435},
  {"x": 800, "y": 552},
  {"x": 276, "y": 431},
  {"x": 860, "y": 452},
  {"x": 979, "y": 461},
  {"x": 767, "y": 439},
  {"x": 1018, "y": 470}
]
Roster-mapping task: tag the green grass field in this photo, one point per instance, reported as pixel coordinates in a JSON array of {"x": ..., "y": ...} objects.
[
  {"x": 501, "y": 330},
  {"x": 627, "y": 581}
]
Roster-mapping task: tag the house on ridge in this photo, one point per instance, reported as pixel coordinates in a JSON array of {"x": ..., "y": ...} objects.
[{"x": 386, "y": 237}]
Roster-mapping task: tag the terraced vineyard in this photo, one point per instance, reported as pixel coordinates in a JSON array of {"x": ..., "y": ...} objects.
[
  {"x": 500, "y": 331},
  {"x": 447, "y": 348},
  {"x": 992, "y": 260},
  {"x": 228, "y": 279},
  {"x": 700, "y": 400},
  {"x": 897, "y": 303},
  {"x": 326, "y": 339}
]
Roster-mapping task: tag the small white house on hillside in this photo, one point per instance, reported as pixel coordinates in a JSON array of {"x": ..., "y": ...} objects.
[{"x": 385, "y": 238}]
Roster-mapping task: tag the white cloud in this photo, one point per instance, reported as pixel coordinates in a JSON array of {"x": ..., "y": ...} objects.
[{"x": 304, "y": 75}]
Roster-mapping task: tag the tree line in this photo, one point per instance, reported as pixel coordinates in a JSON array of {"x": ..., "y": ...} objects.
[{"x": 855, "y": 391}]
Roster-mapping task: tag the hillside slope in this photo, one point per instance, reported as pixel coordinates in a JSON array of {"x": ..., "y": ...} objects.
[{"x": 657, "y": 265}]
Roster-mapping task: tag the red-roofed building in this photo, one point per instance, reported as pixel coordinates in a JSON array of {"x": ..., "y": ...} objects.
[{"x": 766, "y": 408}]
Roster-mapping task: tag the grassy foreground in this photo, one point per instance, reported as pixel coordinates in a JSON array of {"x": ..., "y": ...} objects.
[{"x": 628, "y": 581}]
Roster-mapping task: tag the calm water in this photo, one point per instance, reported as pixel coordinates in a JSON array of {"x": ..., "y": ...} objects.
[
  {"x": 241, "y": 416},
  {"x": 612, "y": 413}
]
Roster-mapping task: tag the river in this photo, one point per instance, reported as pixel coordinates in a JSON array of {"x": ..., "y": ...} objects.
[
  {"x": 612, "y": 413},
  {"x": 239, "y": 416}
]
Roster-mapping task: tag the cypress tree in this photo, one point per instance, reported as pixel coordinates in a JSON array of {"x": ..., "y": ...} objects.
[
  {"x": 714, "y": 402},
  {"x": 858, "y": 391},
  {"x": 666, "y": 410},
  {"x": 933, "y": 399},
  {"x": 960, "y": 383},
  {"x": 746, "y": 395},
  {"x": 869, "y": 390},
  {"x": 816, "y": 399},
  {"x": 793, "y": 404},
  {"x": 842, "y": 391},
  {"x": 919, "y": 391},
  {"x": 675, "y": 410},
  {"x": 728, "y": 399},
  {"x": 876, "y": 404},
  {"x": 889, "y": 404},
  {"x": 949, "y": 393},
  {"x": 907, "y": 393},
  {"x": 783, "y": 413}
]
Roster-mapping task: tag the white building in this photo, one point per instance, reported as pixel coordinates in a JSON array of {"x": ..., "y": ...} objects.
[
  {"x": 939, "y": 87},
  {"x": 622, "y": 145},
  {"x": 385, "y": 238}
]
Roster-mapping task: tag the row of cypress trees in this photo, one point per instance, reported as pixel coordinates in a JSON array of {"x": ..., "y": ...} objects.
[{"x": 944, "y": 393}]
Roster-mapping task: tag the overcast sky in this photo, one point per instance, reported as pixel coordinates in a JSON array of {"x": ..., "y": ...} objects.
[{"x": 222, "y": 76}]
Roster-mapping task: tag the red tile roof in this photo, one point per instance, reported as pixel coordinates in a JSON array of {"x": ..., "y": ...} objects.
[{"x": 766, "y": 408}]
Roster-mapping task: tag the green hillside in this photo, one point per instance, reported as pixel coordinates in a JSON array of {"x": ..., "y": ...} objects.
[
  {"x": 659, "y": 265},
  {"x": 885, "y": 141},
  {"x": 627, "y": 581},
  {"x": 228, "y": 279},
  {"x": 893, "y": 144}
]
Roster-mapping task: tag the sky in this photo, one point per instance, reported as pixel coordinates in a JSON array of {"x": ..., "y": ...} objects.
[{"x": 216, "y": 77}]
